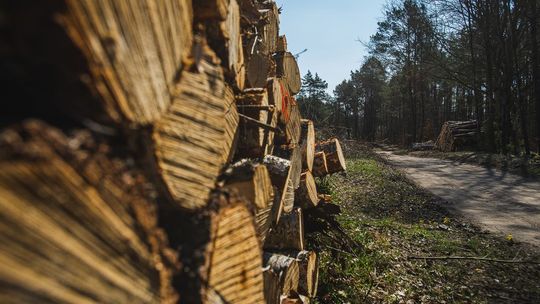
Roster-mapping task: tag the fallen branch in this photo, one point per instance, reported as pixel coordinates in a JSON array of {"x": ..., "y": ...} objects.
[{"x": 471, "y": 258}]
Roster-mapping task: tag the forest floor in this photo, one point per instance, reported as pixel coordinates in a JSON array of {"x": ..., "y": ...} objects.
[{"x": 397, "y": 227}]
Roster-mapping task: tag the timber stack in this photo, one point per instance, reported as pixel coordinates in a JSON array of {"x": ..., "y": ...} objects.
[
  {"x": 457, "y": 135},
  {"x": 153, "y": 151}
]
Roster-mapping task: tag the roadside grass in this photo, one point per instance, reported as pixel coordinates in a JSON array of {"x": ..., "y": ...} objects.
[{"x": 391, "y": 219}]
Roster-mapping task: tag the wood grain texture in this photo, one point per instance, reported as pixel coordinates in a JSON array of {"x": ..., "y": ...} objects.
[
  {"x": 194, "y": 140},
  {"x": 75, "y": 226},
  {"x": 135, "y": 51}
]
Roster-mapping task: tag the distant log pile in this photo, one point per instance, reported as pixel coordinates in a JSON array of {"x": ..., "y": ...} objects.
[
  {"x": 155, "y": 152},
  {"x": 456, "y": 135}
]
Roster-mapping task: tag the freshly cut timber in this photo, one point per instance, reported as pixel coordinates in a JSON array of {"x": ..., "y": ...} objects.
[
  {"x": 320, "y": 165},
  {"x": 134, "y": 50},
  {"x": 194, "y": 140},
  {"x": 225, "y": 37},
  {"x": 234, "y": 258},
  {"x": 281, "y": 276},
  {"x": 456, "y": 135},
  {"x": 306, "y": 195},
  {"x": 287, "y": 69},
  {"x": 334, "y": 155},
  {"x": 275, "y": 97},
  {"x": 258, "y": 128},
  {"x": 308, "y": 264},
  {"x": 251, "y": 181},
  {"x": 257, "y": 69},
  {"x": 270, "y": 28},
  {"x": 307, "y": 144},
  {"x": 76, "y": 225},
  {"x": 280, "y": 173},
  {"x": 211, "y": 9},
  {"x": 293, "y": 124},
  {"x": 288, "y": 234}
]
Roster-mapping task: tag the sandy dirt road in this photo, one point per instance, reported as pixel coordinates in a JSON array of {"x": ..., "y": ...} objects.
[{"x": 496, "y": 201}]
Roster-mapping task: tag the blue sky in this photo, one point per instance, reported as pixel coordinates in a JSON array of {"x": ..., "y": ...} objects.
[{"x": 329, "y": 30}]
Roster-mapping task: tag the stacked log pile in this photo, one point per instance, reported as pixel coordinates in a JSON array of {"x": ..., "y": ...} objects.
[
  {"x": 154, "y": 152},
  {"x": 457, "y": 135}
]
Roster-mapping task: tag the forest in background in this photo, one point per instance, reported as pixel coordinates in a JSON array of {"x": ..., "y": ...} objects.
[{"x": 436, "y": 61}]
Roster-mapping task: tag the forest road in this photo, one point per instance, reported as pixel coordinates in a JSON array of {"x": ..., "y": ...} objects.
[{"x": 494, "y": 200}]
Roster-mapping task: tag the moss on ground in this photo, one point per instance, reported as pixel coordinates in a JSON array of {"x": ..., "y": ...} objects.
[{"x": 391, "y": 219}]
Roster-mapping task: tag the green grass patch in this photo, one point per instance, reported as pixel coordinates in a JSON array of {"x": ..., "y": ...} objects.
[{"x": 391, "y": 219}]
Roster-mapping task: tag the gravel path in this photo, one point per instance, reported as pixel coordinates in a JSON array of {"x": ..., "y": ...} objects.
[{"x": 497, "y": 201}]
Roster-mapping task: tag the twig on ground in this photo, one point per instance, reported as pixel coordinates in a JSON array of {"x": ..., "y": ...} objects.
[{"x": 471, "y": 258}]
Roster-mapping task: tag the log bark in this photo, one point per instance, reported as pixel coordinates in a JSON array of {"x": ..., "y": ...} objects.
[
  {"x": 307, "y": 144},
  {"x": 280, "y": 173},
  {"x": 251, "y": 182},
  {"x": 308, "y": 265},
  {"x": 288, "y": 234},
  {"x": 334, "y": 155},
  {"x": 306, "y": 195},
  {"x": 134, "y": 52},
  {"x": 195, "y": 139},
  {"x": 76, "y": 225},
  {"x": 281, "y": 275},
  {"x": 320, "y": 165},
  {"x": 287, "y": 69}
]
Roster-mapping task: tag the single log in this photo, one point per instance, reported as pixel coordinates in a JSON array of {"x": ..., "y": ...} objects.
[
  {"x": 195, "y": 139},
  {"x": 280, "y": 173},
  {"x": 225, "y": 38},
  {"x": 292, "y": 153},
  {"x": 308, "y": 265},
  {"x": 334, "y": 155},
  {"x": 76, "y": 225},
  {"x": 251, "y": 182},
  {"x": 134, "y": 51},
  {"x": 320, "y": 165},
  {"x": 282, "y": 44},
  {"x": 257, "y": 68},
  {"x": 255, "y": 141},
  {"x": 288, "y": 234},
  {"x": 233, "y": 256},
  {"x": 307, "y": 144},
  {"x": 306, "y": 195},
  {"x": 275, "y": 97},
  {"x": 287, "y": 69},
  {"x": 270, "y": 27},
  {"x": 293, "y": 124},
  {"x": 281, "y": 276},
  {"x": 211, "y": 9}
]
